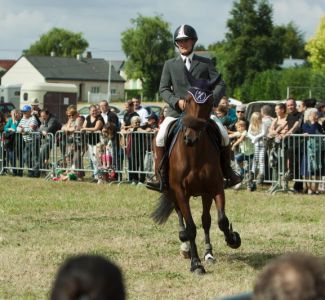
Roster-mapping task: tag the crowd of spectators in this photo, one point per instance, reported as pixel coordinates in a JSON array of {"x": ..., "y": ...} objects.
[{"x": 255, "y": 142}]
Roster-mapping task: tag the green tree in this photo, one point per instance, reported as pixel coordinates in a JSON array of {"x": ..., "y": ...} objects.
[
  {"x": 291, "y": 40},
  {"x": 147, "y": 45},
  {"x": 249, "y": 47},
  {"x": 316, "y": 47},
  {"x": 60, "y": 41}
]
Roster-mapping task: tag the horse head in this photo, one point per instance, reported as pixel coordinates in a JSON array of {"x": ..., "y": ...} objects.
[{"x": 198, "y": 107}]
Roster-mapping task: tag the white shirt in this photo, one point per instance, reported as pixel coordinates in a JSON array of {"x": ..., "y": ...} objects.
[{"x": 143, "y": 114}]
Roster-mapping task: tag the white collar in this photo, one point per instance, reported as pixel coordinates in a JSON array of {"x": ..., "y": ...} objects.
[{"x": 189, "y": 56}]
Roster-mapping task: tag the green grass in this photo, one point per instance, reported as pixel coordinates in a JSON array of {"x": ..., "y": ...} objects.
[{"x": 42, "y": 223}]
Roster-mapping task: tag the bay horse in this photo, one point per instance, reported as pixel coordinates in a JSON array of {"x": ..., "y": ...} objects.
[{"x": 194, "y": 170}]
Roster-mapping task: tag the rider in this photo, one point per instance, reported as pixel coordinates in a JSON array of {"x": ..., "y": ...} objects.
[{"x": 173, "y": 89}]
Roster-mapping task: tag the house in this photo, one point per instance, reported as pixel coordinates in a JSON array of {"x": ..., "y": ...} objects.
[
  {"x": 292, "y": 63},
  {"x": 90, "y": 75},
  {"x": 6, "y": 64}
]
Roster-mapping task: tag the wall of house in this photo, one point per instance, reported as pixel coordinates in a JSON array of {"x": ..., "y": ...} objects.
[
  {"x": 21, "y": 72},
  {"x": 84, "y": 87}
]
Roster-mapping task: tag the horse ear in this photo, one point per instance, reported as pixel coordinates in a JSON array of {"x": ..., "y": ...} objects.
[
  {"x": 189, "y": 77},
  {"x": 214, "y": 82}
]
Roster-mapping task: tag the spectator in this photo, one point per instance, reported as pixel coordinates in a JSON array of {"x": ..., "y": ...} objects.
[
  {"x": 266, "y": 111},
  {"x": 163, "y": 115},
  {"x": 246, "y": 148},
  {"x": 13, "y": 143},
  {"x": 49, "y": 126},
  {"x": 88, "y": 277},
  {"x": 152, "y": 123},
  {"x": 108, "y": 115},
  {"x": 92, "y": 126},
  {"x": 111, "y": 117},
  {"x": 129, "y": 113},
  {"x": 141, "y": 111},
  {"x": 291, "y": 277},
  {"x": 257, "y": 132},
  {"x": 231, "y": 113},
  {"x": 72, "y": 141},
  {"x": 222, "y": 114},
  {"x": 321, "y": 114},
  {"x": 312, "y": 160},
  {"x": 241, "y": 115},
  {"x": 279, "y": 126},
  {"x": 28, "y": 128},
  {"x": 294, "y": 121},
  {"x": 135, "y": 150},
  {"x": 36, "y": 110}
]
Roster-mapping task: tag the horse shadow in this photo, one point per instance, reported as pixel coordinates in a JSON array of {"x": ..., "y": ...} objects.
[{"x": 253, "y": 259}]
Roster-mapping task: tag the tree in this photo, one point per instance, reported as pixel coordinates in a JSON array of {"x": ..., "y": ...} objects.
[
  {"x": 249, "y": 47},
  {"x": 291, "y": 40},
  {"x": 316, "y": 47},
  {"x": 60, "y": 41},
  {"x": 147, "y": 45}
]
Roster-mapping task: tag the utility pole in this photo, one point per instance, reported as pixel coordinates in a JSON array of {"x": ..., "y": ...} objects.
[{"x": 109, "y": 82}]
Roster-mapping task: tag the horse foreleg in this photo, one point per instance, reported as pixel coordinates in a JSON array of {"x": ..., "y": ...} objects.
[
  {"x": 185, "y": 245},
  {"x": 232, "y": 237},
  {"x": 206, "y": 223},
  {"x": 184, "y": 206}
]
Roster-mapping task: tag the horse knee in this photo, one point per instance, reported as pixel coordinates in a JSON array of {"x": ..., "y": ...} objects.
[{"x": 223, "y": 223}]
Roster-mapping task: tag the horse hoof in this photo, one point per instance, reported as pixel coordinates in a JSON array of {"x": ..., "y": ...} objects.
[
  {"x": 199, "y": 270},
  {"x": 234, "y": 240},
  {"x": 185, "y": 254}
]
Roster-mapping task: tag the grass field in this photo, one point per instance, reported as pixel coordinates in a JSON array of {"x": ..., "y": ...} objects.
[{"x": 42, "y": 223}]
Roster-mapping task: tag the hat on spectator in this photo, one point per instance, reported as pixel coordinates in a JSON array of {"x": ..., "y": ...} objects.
[
  {"x": 152, "y": 116},
  {"x": 26, "y": 108},
  {"x": 34, "y": 101},
  {"x": 240, "y": 108}
]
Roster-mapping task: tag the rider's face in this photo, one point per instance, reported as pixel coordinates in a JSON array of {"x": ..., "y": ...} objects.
[{"x": 185, "y": 46}]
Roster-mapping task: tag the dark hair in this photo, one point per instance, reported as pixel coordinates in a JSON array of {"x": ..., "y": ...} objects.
[
  {"x": 281, "y": 106},
  {"x": 44, "y": 111},
  {"x": 130, "y": 103},
  {"x": 89, "y": 277},
  {"x": 222, "y": 109},
  {"x": 311, "y": 102}
]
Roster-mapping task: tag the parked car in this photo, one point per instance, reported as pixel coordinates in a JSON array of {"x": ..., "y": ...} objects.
[
  {"x": 84, "y": 111},
  {"x": 6, "y": 107}
]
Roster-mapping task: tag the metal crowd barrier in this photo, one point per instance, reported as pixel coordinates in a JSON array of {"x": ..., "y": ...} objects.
[{"x": 128, "y": 157}]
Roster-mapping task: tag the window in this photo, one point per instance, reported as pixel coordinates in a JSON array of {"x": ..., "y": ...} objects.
[
  {"x": 95, "y": 89},
  {"x": 113, "y": 91},
  {"x": 25, "y": 96}
]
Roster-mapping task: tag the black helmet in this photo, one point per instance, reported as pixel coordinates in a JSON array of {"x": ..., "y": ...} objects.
[{"x": 185, "y": 32}]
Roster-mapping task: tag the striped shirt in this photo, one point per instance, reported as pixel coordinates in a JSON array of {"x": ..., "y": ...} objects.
[{"x": 27, "y": 125}]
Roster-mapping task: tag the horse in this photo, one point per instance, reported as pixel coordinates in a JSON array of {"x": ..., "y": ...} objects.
[{"x": 194, "y": 170}]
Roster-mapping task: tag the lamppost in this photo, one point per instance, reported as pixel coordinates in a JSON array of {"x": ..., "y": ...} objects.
[{"x": 109, "y": 81}]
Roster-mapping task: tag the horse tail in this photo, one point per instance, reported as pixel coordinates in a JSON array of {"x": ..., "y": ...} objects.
[{"x": 163, "y": 210}]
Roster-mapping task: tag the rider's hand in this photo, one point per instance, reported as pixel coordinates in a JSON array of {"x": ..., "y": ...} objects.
[{"x": 181, "y": 104}]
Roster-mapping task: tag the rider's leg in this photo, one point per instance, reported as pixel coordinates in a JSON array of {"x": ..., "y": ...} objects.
[
  {"x": 161, "y": 165},
  {"x": 225, "y": 159}
]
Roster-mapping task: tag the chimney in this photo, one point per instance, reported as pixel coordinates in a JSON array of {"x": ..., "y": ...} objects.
[{"x": 88, "y": 54}]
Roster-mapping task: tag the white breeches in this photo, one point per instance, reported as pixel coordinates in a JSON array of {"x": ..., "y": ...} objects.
[{"x": 160, "y": 138}]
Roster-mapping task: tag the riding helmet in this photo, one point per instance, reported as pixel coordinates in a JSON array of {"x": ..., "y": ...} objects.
[{"x": 185, "y": 32}]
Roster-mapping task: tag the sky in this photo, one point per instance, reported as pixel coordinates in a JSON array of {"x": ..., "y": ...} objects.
[{"x": 22, "y": 22}]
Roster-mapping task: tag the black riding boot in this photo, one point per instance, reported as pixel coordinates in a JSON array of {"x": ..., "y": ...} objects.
[
  {"x": 161, "y": 171},
  {"x": 232, "y": 178}
]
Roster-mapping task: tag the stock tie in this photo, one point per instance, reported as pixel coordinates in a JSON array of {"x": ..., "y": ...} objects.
[{"x": 187, "y": 63}]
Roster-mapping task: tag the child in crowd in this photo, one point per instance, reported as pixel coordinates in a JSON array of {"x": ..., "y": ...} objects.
[
  {"x": 257, "y": 132},
  {"x": 312, "y": 163},
  {"x": 246, "y": 148},
  {"x": 68, "y": 175},
  {"x": 222, "y": 114}
]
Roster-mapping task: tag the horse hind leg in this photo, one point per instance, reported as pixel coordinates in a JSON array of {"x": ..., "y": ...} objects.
[
  {"x": 232, "y": 238},
  {"x": 206, "y": 224}
]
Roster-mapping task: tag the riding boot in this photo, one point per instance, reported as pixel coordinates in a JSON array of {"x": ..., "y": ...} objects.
[
  {"x": 161, "y": 171},
  {"x": 232, "y": 178}
]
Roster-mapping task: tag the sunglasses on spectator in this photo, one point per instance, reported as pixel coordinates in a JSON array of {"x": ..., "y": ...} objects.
[{"x": 240, "y": 111}]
